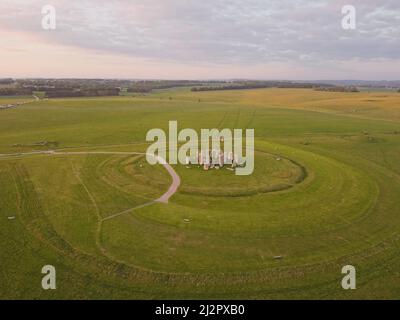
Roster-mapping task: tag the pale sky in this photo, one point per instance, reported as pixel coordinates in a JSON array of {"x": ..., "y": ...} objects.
[{"x": 201, "y": 39}]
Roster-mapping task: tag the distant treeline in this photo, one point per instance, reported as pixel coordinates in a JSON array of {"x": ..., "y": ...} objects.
[
  {"x": 15, "y": 92},
  {"x": 258, "y": 85},
  {"x": 338, "y": 89},
  {"x": 59, "y": 88},
  {"x": 6, "y": 81},
  {"x": 61, "y": 92},
  {"x": 66, "y": 92},
  {"x": 148, "y": 86}
]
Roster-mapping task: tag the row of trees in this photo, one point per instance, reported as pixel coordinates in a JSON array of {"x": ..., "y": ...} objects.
[
  {"x": 6, "y": 81},
  {"x": 87, "y": 87},
  {"x": 257, "y": 85},
  {"x": 338, "y": 89},
  {"x": 149, "y": 85},
  {"x": 61, "y": 92},
  {"x": 15, "y": 92},
  {"x": 65, "y": 92}
]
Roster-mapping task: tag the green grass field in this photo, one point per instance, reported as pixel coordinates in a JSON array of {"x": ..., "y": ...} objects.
[{"x": 332, "y": 200}]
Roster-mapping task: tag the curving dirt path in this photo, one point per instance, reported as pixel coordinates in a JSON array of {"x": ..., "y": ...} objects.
[
  {"x": 16, "y": 104},
  {"x": 176, "y": 181}
]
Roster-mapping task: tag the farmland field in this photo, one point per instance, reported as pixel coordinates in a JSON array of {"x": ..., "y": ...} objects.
[{"x": 324, "y": 194}]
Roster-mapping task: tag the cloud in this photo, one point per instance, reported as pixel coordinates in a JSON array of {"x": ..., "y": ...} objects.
[{"x": 306, "y": 32}]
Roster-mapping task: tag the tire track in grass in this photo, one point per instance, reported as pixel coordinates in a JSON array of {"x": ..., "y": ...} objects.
[
  {"x": 235, "y": 125},
  {"x": 251, "y": 119},
  {"x": 221, "y": 122},
  {"x": 94, "y": 203}
]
